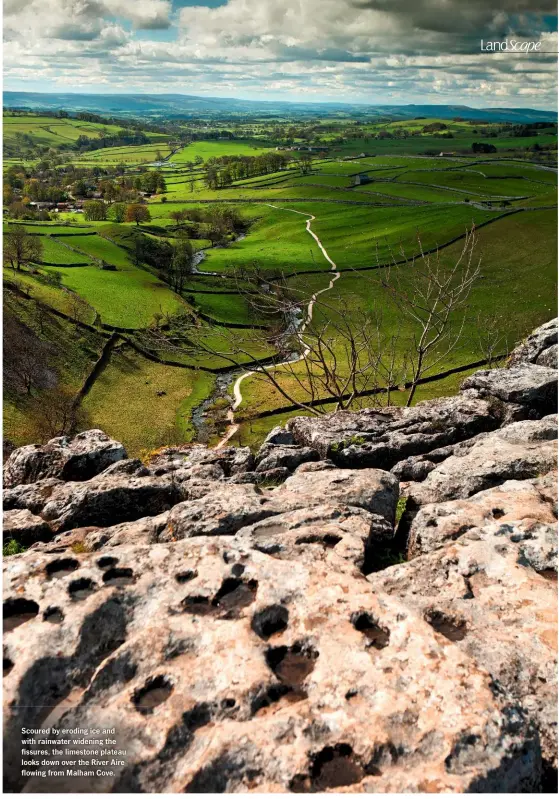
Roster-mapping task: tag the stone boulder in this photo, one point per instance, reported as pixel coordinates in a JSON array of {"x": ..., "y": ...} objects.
[
  {"x": 372, "y": 489},
  {"x": 283, "y": 455},
  {"x": 228, "y": 460},
  {"x": 33, "y": 496},
  {"x": 279, "y": 436},
  {"x": 104, "y": 501},
  {"x": 227, "y": 670},
  {"x": 524, "y": 384},
  {"x": 533, "y": 501},
  {"x": 221, "y": 512},
  {"x": 492, "y": 594},
  {"x": 519, "y": 451},
  {"x": 78, "y": 458},
  {"x": 348, "y": 534},
  {"x": 24, "y": 527},
  {"x": 532, "y": 349},
  {"x": 380, "y": 438}
]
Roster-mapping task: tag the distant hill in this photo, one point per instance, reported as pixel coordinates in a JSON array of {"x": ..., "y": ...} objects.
[{"x": 183, "y": 105}]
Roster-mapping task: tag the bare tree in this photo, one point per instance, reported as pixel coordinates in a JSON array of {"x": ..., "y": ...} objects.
[
  {"x": 492, "y": 342},
  {"x": 319, "y": 358},
  {"x": 432, "y": 296},
  {"x": 21, "y": 248},
  {"x": 58, "y": 413},
  {"x": 25, "y": 357},
  {"x": 327, "y": 359},
  {"x": 79, "y": 308}
]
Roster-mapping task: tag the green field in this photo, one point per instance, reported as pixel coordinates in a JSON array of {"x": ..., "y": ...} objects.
[
  {"x": 414, "y": 199},
  {"x": 214, "y": 149},
  {"x": 128, "y": 298},
  {"x": 131, "y": 389}
]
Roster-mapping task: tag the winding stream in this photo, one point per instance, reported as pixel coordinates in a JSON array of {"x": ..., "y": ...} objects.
[{"x": 237, "y": 393}]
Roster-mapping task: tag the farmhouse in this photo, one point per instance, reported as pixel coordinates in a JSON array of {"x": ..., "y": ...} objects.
[{"x": 361, "y": 179}]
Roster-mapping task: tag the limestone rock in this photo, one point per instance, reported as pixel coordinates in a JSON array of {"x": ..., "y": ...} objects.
[
  {"x": 483, "y": 595},
  {"x": 279, "y": 436},
  {"x": 78, "y": 458},
  {"x": 227, "y": 670},
  {"x": 519, "y": 451},
  {"x": 229, "y": 460},
  {"x": 218, "y": 513},
  {"x": 371, "y": 489},
  {"x": 33, "y": 496},
  {"x": 524, "y": 384},
  {"x": 548, "y": 357},
  {"x": 288, "y": 456},
  {"x": 351, "y": 534},
  {"x": 533, "y": 501},
  {"x": 24, "y": 527},
  {"x": 104, "y": 501},
  {"x": 380, "y": 438},
  {"x": 535, "y": 344}
]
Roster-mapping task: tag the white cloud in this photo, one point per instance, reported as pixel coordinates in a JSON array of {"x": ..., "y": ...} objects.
[{"x": 349, "y": 49}]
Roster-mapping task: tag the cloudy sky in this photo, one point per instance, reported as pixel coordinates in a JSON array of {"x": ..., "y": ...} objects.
[{"x": 377, "y": 51}]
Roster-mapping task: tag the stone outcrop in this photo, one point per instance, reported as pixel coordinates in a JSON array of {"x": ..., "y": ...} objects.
[
  {"x": 531, "y": 501},
  {"x": 520, "y": 451},
  {"x": 225, "y": 669},
  {"x": 536, "y": 347},
  {"x": 382, "y": 437},
  {"x": 366, "y": 605},
  {"x": 525, "y": 384},
  {"x": 80, "y": 458}
]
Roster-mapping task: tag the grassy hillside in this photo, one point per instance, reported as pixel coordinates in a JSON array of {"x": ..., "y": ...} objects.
[{"x": 409, "y": 200}]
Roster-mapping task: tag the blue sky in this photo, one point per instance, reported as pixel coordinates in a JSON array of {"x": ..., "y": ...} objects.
[{"x": 374, "y": 51}]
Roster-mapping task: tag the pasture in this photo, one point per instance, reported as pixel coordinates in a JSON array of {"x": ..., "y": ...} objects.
[{"x": 411, "y": 201}]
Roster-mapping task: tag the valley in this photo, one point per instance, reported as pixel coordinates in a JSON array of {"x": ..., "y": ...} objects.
[{"x": 141, "y": 322}]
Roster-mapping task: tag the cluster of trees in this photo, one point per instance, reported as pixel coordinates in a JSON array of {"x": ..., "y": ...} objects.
[
  {"x": 48, "y": 182},
  {"x": 121, "y": 138},
  {"x": 222, "y": 171},
  {"x": 483, "y": 147},
  {"x": 97, "y": 211},
  {"x": 174, "y": 262},
  {"x": 216, "y": 223}
]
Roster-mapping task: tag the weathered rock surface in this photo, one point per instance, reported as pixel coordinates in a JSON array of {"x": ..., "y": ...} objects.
[
  {"x": 79, "y": 458},
  {"x": 24, "y": 527},
  {"x": 525, "y": 384},
  {"x": 33, "y": 497},
  {"x": 221, "y": 512},
  {"x": 371, "y": 489},
  {"x": 380, "y": 438},
  {"x": 237, "y": 619},
  {"x": 228, "y": 670},
  {"x": 532, "y": 349},
  {"x": 352, "y": 534},
  {"x": 492, "y": 594},
  {"x": 519, "y": 451},
  {"x": 288, "y": 456},
  {"x": 225, "y": 462},
  {"x": 103, "y": 501},
  {"x": 530, "y": 501}
]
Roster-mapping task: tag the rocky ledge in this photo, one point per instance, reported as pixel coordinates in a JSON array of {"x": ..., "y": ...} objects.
[{"x": 368, "y": 604}]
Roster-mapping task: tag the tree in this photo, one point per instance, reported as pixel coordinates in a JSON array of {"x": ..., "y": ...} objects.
[
  {"x": 432, "y": 296},
  {"x": 181, "y": 264},
  {"x": 21, "y": 248},
  {"x": 137, "y": 213},
  {"x": 58, "y": 413},
  {"x": 94, "y": 211},
  {"x": 327, "y": 359},
  {"x": 25, "y": 357},
  {"x": 118, "y": 212}
]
